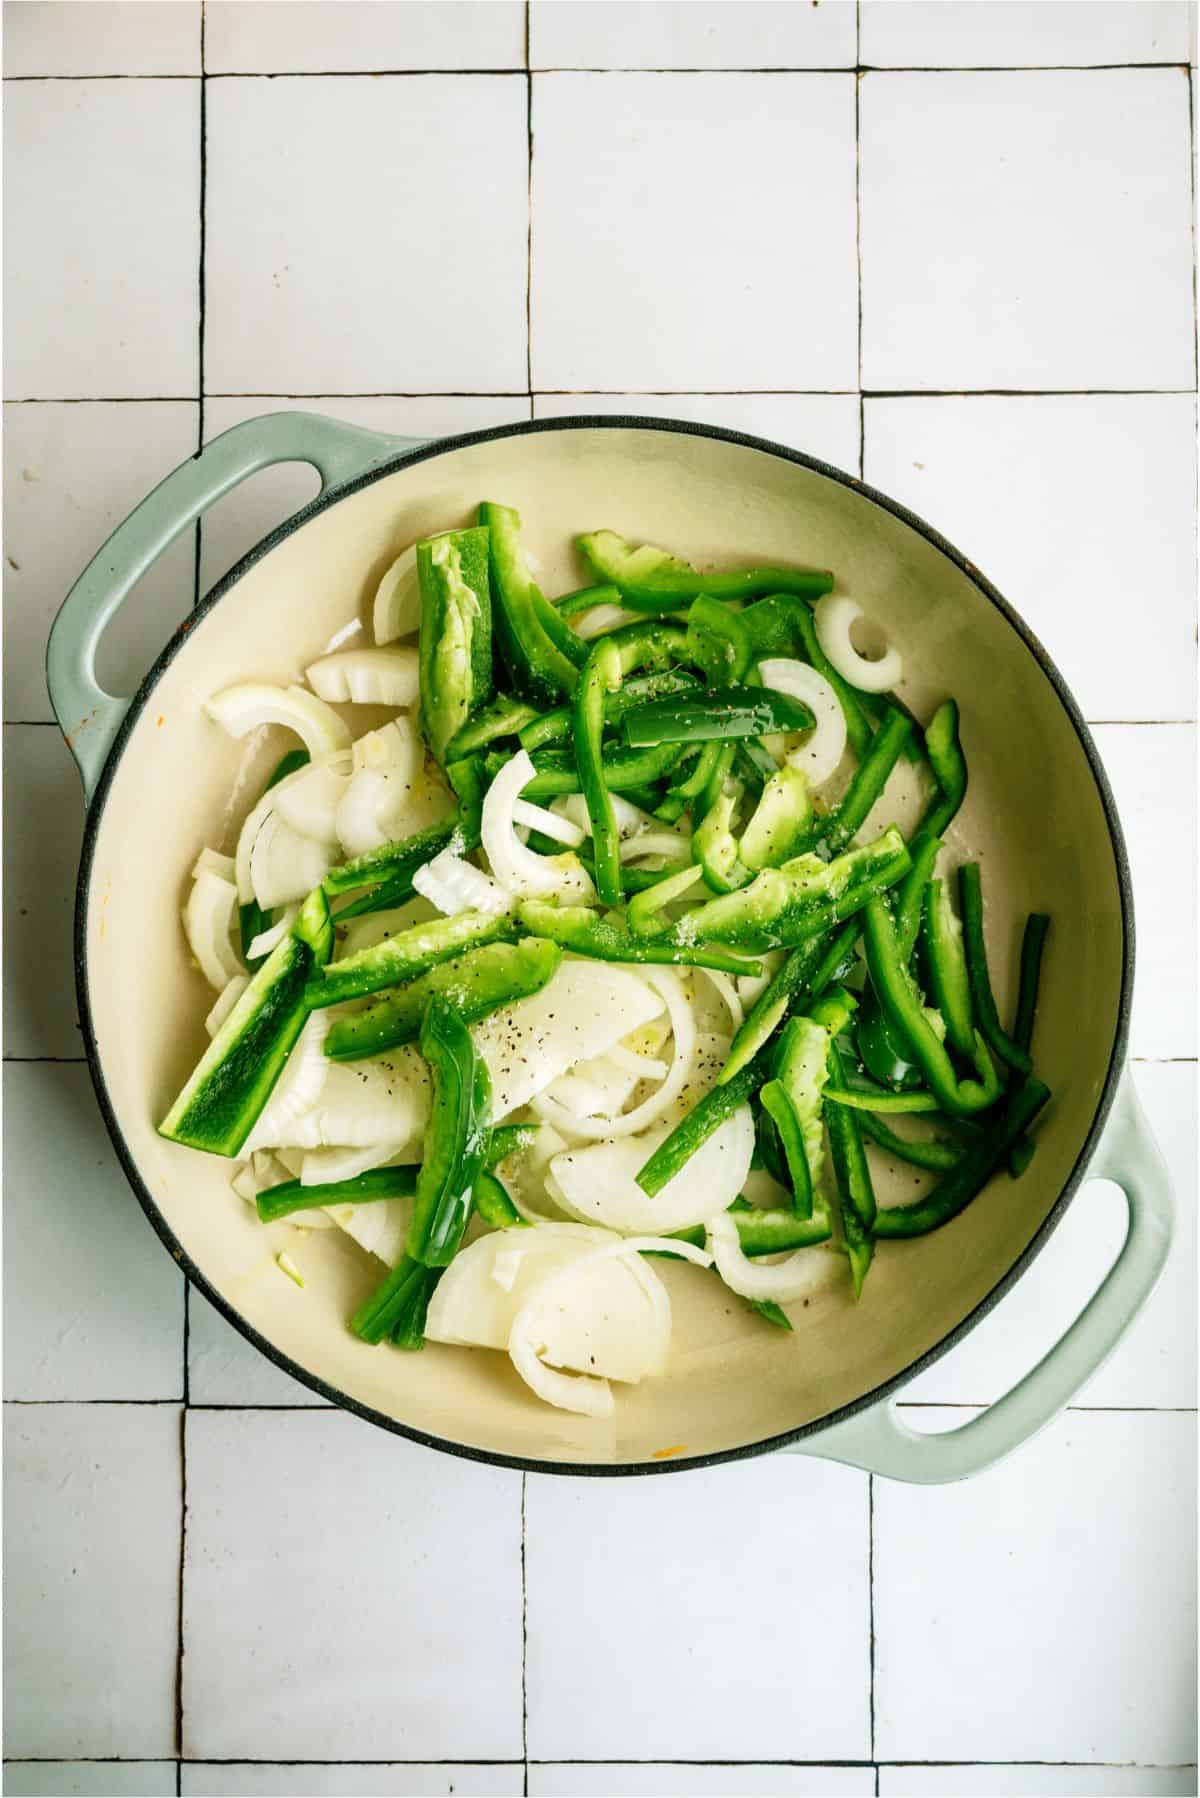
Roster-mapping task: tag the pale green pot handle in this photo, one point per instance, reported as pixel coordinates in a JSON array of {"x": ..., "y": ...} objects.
[
  {"x": 91, "y": 718},
  {"x": 880, "y": 1440}
]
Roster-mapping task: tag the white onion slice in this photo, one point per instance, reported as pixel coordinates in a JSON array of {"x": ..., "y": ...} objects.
[
  {"x": 683, "y": 1027},
  {"x": 598, "y": 1183},
  {"x": 231, "y": 992},
  {"x": 834, "y": 618},
  {"x": 631, "y": 820},
  {"x": 453, "y": 884},
  {"x": 297, "y": 1089},
  {"x": 536, "y": 817},
  {"x": 397, "y": 608},
  {"x": 286, "y": 866},
  {"x": 208, "y": 918},
  {"x": 309, "y": 804},
  {"x": 321, "y": 1166},
  {"x": 520, "y": 871},
  {"x": 599, "y": 619},
  {"x": 381, "y": 1228},
  {"x": 249, "y": 704},
  {"x": 257, "y": 1173},
  {"x": 727, "y": 992},
  {"x": 256, "y": 817},
  {"x": 266, "y": 940},
  {"x": 822, "y": 750},
  {"x": 213, "y": 862},
  {"x": 642, "y": 1067},
  {"x": 655, "y": 842},
  {"x": 365, "y": 677},
  {"x": 371, "y": 811},
  {"x": 801, "y": 1272}
]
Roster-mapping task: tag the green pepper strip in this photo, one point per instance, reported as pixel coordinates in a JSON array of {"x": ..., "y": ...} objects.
[
  {"x": 852, "y": 1174},
  {"x": 455, "y": 1138},
  {"x": 876, "y": 707},
  {"x": 972, "y": 1173},
  {"x": 891, "y": 980},
  {"x": 807, "y": 970},
  {"x": 858, "y": 1095},
  {"x": 379, "y": 1183},
  {"x": 624, "y": 769},
  {"x": 869, "y": 780},
  {"x": 505, "y": 717},
  {"x": 394, "y": 864},
  {"x": 539, "y": 668},
  {"x": 408, "y": 1329},
  {"x": 858, "y": 725},
  {"x": 645, "y": 914},
  {"x": 555, "y": 726},
  {"x": 475, "y": 984},
  {"x": 601, "y": 675},
  {"x": 803, "y": 898},
  {"x": 672, "y": 588},
  {"x": 694, "y": 1130},
  {"x": 949, "y": 979},
  {"x": 390, "y": 1303},
  {"x": 763, "y": 1232},
  {"x": 581, "y": 931},
  {"x": 585, "y": 598},
  {"x": 779, "y": 1108},
  {"x": 924, "y": 850},
  {"x": 407, "y": 954},
  {"x": 770, "y": 1312},
  {"x": 949, "y": 765},
  {"x": 1032, "y": 944},
  {"x": 506, "y": 1140},
  {"x": 455, "y": 645},
  {"x": 920, "y": 1151},
  {"x": 970, "y": 891},
  {"x": 717, "y": 714},
  {"x": 493, "y": 1204},
  {"x": 252, "y": 919}
]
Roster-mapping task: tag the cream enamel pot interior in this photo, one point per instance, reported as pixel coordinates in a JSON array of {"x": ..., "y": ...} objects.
[{"x": 1038, "y": 813}]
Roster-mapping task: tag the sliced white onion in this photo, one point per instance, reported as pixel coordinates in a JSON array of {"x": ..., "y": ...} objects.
[
  {"x": 297, "y": 1089},
  {"x": 208, "y": 918},
  {"x": 372, "y": 810},
  {"x": 256, "y": 1174},
  {"x": 727, "y": 992},
  {"x": 212, "y": 862},
  {"x": 284, "y": 865},
  {"x": 381, "y": 1228},
  {"x": 309, "y": 804},
  {"x": 397, "y": 608},
  {"x": 249, "y": 704},
  {"x": 799, "y": 1273},
  {"x": 453, "y": 884},
  {"x": 631, "y": 820},
  {"x": 834, "y": 618},
  {"x": 579, "y": 1014},
  {"x": 231, "y": 992},
  {"x": 683, "y": 1028},
  {"x": 655, "y": 842},
  {"x": 822, "y": 750},
  {"x": 266, "y": 940},
  {"x": 536, "y": 817},
  {"x": 598, "y": 1183},
  {"x": 642, "y": 1067},
  {"x": 376, "y": 926},
  {"x": 359, "y": 1105},
  {"x": 590, "y": 1090},
  {"x": 520, "y": 871},
  {"x": 599, "y": 619},
  {"x": 322, "y": 1166},
  {"x": 365, "y": 677}
]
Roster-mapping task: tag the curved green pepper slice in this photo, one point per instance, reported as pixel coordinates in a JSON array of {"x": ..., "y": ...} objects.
[{"x": 455, "y": 1138}]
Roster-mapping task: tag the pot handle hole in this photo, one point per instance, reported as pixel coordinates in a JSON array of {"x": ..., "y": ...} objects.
[
  {"x": 881, "y": 1441},
  {"x": 89, "y": 717}
]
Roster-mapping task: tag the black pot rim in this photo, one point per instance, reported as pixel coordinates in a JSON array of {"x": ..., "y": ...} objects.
[{"x": 525, "y": 1464}]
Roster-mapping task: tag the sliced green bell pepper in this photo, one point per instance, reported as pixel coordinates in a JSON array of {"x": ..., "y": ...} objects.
[
  {"x": 584, "y": 932},
  {"x": 852, "y": 1174},
  {"x": 538, "y": 668},
  {"x": 970, "y": 893},
  {"x": 947, "y": 964},
  {"x": 805, "y": 972},
  {"x": 493, "y": 1204},
  {"x": 782, "y": 823},
  {"x": 910, "y": 898},
  {"x": 407, "y": 954},
  {"x": 718, "y": 714},
  {"x": 455, "y": 644},
  {"x": 944, "y": 749},
  {"x": 505, "y": 717},
  {"x": 455, "y": 1138},
  {"x": 652, "y": 580},
  {"x": 971, "y": 1173},
  {"x": 365, "y": 1189},
  {"x": 870, "y": 778},
  {"x": 475, "y": 984},
  {"x": 555, "y": 726}
]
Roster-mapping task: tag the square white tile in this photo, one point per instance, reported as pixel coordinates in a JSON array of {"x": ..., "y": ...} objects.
[
  {"x": 1080, "y": 508},
  {"x": 991, "y": 259},
  {"x": 981, "y": 34},
  {"x": 341, "y": 1596},
  {"x": 349, "y": 1780},
  {"x": 367, "y": 235},
  {"x": 71, "y": 474},
  {"x": 250, "y": 37},
  {"x": 1152, "y": 771},
  {"x": 94, "y": 1303},
  {"x": 88, "y": 1779},
  {"x": 821, "y": 424},
  {"x": 152, "y": 37},
  {"x": 43, "y": 829},
  {"x": 1045, "y": 1609},
  {"x": 102, "y": 229},
  {"x": 655, "y": 1779},
  {"x": 659, "y": 261},
  {"x": 245, "y": 516},
  {"x": 1037, "y": 1781},
  {"x": 225, "y": 1369},
  {"x": 669, "y": 1636},
  {"x": 691, "y": 34},
  {"x": 91, "y": 1574},
  {"x": 1156, "y": 1363}
]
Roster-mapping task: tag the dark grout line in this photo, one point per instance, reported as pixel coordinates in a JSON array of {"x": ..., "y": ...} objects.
[
  {"x": 583, "y": 393},
  {"x": 1056, "y": 68},
  {"x": 871, "y": 1602},
  {"x": 201, "y": 280},
  {"x": 1192, "y": 195},
  {"x": 183, "y": 1501},
  {"x": 858, "y": 268},
  {"x": 66, "y": 1061},
  {"x": 528, "y": 218},
  {"x": 331, "y": 1408},
  {"x": 524, "y": 1646},
  {"x": 122, "y": 1760}
]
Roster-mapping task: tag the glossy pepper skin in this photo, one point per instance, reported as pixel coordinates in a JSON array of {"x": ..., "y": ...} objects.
[
  {"x": 869, "y": 780},
  {"x": 715, "y": 715},
  {"x": 852, "y": 1173},
  {"x": 971, "y": 1172},
  {"x": 805, "y": 897},
  {"x": 455, "y": 644},
  {"x": 770, "y": 1232},
  {"x": 555, "y": 726},
  {"x": 504, "y": 717},
  {"x": 378, "y": 1183},
  {"x": 883, "y": 1051},
  {"x": 652, "y": 580},
  {"x": 899, "y": 998},
  {"x": 924, "y": 849},
  {"x": 716, "y": 846},
  {"x": 601, "y": 676},
  {"x": 949, "y": 765},
  {"x": 601, "y": 939},
  {"x": 625, "y": 770},
  {"x": 783, "y": 822},
  {"x": 695, "y": 1129},
  {"x": 920, "y": 1151},
  {"x": 223, "y": 1098},
  {"x": 539, "y": 664},
  {"x": 946, "y": 960},
  {"x": 394, "y": 864},
  {"x": 407, "y": 954},
  {"x": 805, "y": 972},
  {"x": 475, "y": 984},
  {"x": 970, "y": 891},
  {"x": 455, "y": 1138},
  {"x": 493, "y": 1204}
]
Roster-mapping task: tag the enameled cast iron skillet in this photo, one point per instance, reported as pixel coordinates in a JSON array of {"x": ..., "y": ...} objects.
[{"x": 1039, "y": 813}]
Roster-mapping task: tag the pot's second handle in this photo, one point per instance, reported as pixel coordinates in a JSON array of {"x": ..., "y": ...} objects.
[
  {"x": 89, "y": 717},
  {"x": 880, "y": 1441}
]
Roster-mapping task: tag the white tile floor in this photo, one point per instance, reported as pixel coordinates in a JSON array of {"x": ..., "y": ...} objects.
[{"x": 692, "y": 244}]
